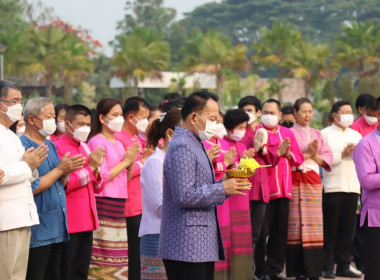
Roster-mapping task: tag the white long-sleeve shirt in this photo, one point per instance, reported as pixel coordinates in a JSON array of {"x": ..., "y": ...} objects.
[
  {"x": 342, "y": 177},
  {"x": 17, "y": 207},
  {"x": 151, "y": 190}
]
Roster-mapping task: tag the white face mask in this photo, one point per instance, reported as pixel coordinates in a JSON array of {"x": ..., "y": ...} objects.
[
  {"x": 252, "y": 117},
  {"x": 370, "y": 120},
  {"x": 14, "y": 112},
  {"x": 116, "y": 124},
  {"x": 237, "y": 135},
  {"x": 61, "y": 127},
  {"x": 269, "y": 121},
  {"x": 141, "y": 125},
  {"x": 346, "y": 120},
  {"x": 220, "y": 130},
  {"x": 209, "y": 132},
  {"x": 48, "y": 127},
  {"x": 80, "y": 134},
  {"x": 20, "y": 131}
]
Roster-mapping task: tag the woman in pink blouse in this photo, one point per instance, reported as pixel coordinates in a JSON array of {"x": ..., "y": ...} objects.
[{"x": 110, "y": 247}]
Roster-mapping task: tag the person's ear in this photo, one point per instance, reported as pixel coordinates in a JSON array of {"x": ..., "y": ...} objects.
[
  {"x": 280, "y": 117},
  {"x": 258, "y": 113},
  {"x": 192, "y": 118},
  {"x": 67, "y": 125},
  {"x": 31, "y": 119},
  {"x": 101, "y": 119}
]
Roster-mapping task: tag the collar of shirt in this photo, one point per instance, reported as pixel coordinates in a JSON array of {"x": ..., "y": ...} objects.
[
  {"x": 182, "y": 130},
  {"x": 69, "y": 141}
]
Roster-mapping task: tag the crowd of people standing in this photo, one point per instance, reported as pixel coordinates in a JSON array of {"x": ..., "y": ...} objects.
[{"x": 134, "y": 191}]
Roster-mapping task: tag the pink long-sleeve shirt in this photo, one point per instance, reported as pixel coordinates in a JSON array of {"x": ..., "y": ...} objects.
[
  {"x": 133, "y": 204},
  {"x": 80, "y": 199},
  {"x": 361, "y": 126},
  {"x": 219, "y": 165},
  {"x": 260, "y": 187},
  {"x": 280, "y": 175},
  {"x": 306, "y": 135},
  {"x": 118, "y": 186}
]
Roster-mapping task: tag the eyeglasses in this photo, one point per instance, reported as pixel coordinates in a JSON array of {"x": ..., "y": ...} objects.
[{"x": 14, "y": 101}]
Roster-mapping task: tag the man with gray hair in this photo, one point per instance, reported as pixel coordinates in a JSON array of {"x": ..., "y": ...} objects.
[
  {"x": 17, "y": 209},
  {"x": 49, "y": 195}
]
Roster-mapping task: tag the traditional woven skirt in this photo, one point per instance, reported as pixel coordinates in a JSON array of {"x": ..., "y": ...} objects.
[
  {"x": 152, "y": 266},
  {"x": 109, "y": 258},
  {"x": 304, "y": 255},
  {"x": 237, "y": 239}
]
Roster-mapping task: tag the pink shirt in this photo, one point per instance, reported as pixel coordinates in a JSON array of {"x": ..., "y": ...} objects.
[
  {"x": 80, "y": 199},
  {"x": 219, "y": 165},
  {"x": 361, "y": 126},
  {"x": 260, "y": 188},
  {"x": 133, "y": 204},
  {"x": 54, "y": 138},
  {"x": 280, "y": 176},
  {"x": 117, "y": 188}
]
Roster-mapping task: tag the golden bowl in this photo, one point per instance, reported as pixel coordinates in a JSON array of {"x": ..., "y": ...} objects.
[{"x": 239, "y": 173}]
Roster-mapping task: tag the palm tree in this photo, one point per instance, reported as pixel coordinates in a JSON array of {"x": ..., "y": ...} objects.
[
  {"x": 273, "y": 49},
  {"x": 75, "y": 66},
  {"x": 142, "y": 53},
  {"x": 311, "y": 63},
  {"x": 214, "y": 54},
  {"x": 46, "y": 52},
  {"x": 357, "y": 47}
]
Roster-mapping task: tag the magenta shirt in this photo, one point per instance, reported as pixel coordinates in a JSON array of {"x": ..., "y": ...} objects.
[
  {"x": 367, "y": 163},
  {"x": 219, "y": 166},
  {"x": 361, "y": 126},
  {"x": 117, "y": 188},
  {"x": 133, "y": 205}
]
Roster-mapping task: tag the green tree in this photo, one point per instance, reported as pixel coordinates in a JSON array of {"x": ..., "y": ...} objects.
[
  {"x": 274, "y": 47},
  {"x": 142, "y": 54},
  {"x": 214, "y": 54},
  {"x": 311, "y": 63}
]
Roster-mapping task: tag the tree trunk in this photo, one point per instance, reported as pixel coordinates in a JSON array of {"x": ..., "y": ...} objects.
[
  {"x": 307, "y": 89},
  {"x": 68, "y": 94},
  {"x": 136, "y": 86},
  {"x": 219, "y": 83}
]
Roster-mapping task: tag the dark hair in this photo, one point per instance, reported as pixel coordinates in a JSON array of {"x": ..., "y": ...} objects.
[
  {"x": 330, "y": 117},
  {"x": 132, "y": 104},
  {"x": 5, "y": 86},
  {"x": 287, "y": 110},
  {"x": 361, "y": 100},
  {"x": 235, "y": 117},
  {"x": 272, "y": 100},
  {"x": 153, "y": 109},
  {"x": 297, "y": 105},
  {"x": 196, "y": 102},
  {"x": 378, "y": 103},
  {"x": 167, "y": 106},
  {"x": 75, "y": 110},
  {"x": 172, "y": 96},
  {"x": 336, "y": 106},
  {"x": 250, "y": 100},
  {"x": 370, "y": 103},
  {"x": 103, "y": 108},
  {"x": 158, "y": 128},
  {"x": 13, "y": 126}
]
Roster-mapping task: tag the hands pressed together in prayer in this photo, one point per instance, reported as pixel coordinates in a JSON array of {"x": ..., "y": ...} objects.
[
  {"x": 348, "y": 150},
  {"x": 284, "y": 148},
  {"x": 34, "y": 157},
  {"x": 96, "y": 158},
  {"x": 69, "y": 164}
]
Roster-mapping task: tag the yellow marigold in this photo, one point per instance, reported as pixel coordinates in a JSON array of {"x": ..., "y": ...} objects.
[{"x": 248, "y": 164}]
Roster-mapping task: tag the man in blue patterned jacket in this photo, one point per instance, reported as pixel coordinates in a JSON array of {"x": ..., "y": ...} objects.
[{"x": 190, "y": 240}]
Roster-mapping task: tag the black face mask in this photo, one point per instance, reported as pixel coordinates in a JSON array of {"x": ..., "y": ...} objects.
[{"x": 287, "y": 124}]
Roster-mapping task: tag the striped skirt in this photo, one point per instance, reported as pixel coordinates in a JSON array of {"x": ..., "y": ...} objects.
[
  {"x": 109, "y": 258},
  {"x": 152, "y": 266},
  {"x": 235, "y": 222},
  {"x": 304, "y": 254}
]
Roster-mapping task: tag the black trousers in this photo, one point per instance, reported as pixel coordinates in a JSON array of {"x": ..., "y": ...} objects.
[
  {"x": 339, "y": 215},
  {"x": 44, "y": 262},
  {"x": 176, "y": 270},
  {"x": 371, "y": 252},
  {"x": 358, "y": 245},
  {"x": 270, "y": 255},
  {"x": 257, "y": 209},
  {"x": 134, "y": 267},
  {"x": 76, "y": 256}
]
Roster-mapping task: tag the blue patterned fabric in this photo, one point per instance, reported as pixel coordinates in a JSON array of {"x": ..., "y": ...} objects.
[
  {"x": 51, "y": 203},
  {"x": 189, "y": 228}
]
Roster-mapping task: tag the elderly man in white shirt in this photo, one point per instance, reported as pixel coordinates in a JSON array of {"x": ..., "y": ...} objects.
[
  {"x": 17, "y": 209},
  {"x": 341, "y": 192}
]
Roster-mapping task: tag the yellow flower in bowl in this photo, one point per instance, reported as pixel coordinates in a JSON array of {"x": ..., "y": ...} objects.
[{"x": 246, "y": 168}]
